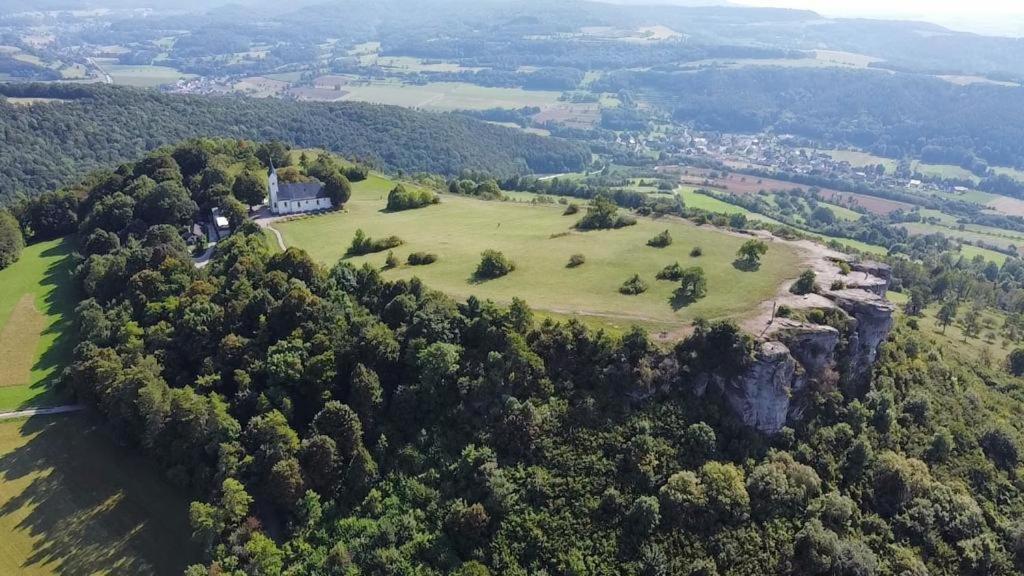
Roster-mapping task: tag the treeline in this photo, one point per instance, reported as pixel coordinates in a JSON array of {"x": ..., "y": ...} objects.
[
  {"x": 333, "y": 422},
  {"x": 47, "y": 145},
  {"x": 559, "y": 79},
  {"x": 897, "y": 115},
  {"x": 508, "y": 52}
]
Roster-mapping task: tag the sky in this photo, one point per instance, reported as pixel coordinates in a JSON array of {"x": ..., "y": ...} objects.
[{"x": 1005, "y": 17}]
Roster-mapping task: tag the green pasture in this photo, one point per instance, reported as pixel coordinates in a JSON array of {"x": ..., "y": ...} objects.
[
  {"x": 36, "y": 302},
  {"x": 540, "y": 240},
  {"x": 73, "y": 501}
]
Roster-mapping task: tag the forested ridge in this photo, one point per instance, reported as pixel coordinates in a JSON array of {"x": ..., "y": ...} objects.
[
  {"x": 891, "y": 115},
  {"x": 332, "y": 422},
  {"x": 48, "y": 145}
]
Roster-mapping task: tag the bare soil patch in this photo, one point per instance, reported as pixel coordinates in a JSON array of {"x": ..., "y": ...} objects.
[{"x": 18, "y": 341}]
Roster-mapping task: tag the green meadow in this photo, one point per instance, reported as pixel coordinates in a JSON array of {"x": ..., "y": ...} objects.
[
  {"x": 73, "y": 501},
  {"x": 36, "y": 302},
  {"x": 540, "y": 239}
]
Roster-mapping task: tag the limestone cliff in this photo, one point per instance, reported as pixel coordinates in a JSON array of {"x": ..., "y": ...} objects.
[{"x": 832, "y": 339}]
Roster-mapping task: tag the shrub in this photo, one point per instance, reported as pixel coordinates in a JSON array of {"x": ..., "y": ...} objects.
[
  {"x": 693, "y": 285},
  {"x": 838, "y": 285},
  {"x": 356, "y": 173},
  {"x": 493, "y": 264},
  {"x": 805, "y": 283},
  {"x": 784, "y": 311},
  {"x": 11, "y": 240},
  {"x": 421, "y": 258},
  {"x": 391, "y": 261},
  {"x": 844, "y": 268},
  {"x": 363, "y": 244},
  {"x": 571, "y": 209},
  {"x": 750, "y": 252},
  {"x": 633, "y": 286},
  {"x": 576, "y": 260},
  {"x": 673, "y": 272},
  {"x": 401, "y": 198},
  {"x": 662, "y": 240},
  {"x": 603, "y": 214},
  {"x": 697, "y": 252}
]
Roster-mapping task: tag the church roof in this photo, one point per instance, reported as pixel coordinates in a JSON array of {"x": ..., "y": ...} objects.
[{"x": 291, "y": 191}]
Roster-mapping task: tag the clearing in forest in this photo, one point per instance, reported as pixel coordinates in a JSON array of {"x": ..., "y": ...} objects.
[{"x": 36, "y": 302}]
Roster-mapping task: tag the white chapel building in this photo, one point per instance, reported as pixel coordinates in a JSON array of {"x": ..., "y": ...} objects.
[{"x": 296, "y": 197}]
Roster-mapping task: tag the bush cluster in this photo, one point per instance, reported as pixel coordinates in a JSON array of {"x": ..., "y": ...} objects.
[
  {"x": 421, "y": 258},
  {"x": 402, "y": 198},
  {"x": 493, "y": 264},
  {"x": 363, "y": 244}
]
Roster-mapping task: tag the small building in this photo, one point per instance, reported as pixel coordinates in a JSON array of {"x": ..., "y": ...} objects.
[{"x": 296, "y": 197}]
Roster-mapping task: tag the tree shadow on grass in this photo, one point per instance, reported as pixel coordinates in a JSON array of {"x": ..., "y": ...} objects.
[
  {"x": 85, "y": 505},
  {"x": 746, "y": 265},
  {"x": 680, "y": 300},
  {"x": 59, "y": 302}
]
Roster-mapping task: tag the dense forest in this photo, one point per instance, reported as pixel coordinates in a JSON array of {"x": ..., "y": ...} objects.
[
  {"x": 333, "y": 422},
  {"x": 48, "y": 144},
  {"x": 891, "y": 115}
]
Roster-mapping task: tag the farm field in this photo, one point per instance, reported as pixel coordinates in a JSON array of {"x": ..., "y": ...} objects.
[
  {"x": 36, "y": 302},
  {"x": 943, "y": 171},
  {"x": 539, "y": 239},
  {"x": 73, "y": 502},
  {"x": 744, "y": 184},
  {"x": 142, "y": 76},
  {"x": 705, "y": 202},
  {"x": 693, "y": 199},
  {"x": 859, "y": 159},
  {"x": 1005, "y": 205},
  {"x": 971, "y": 251},
  {"x": 815, "y": 59},
  {"x": 1004, "y": 239},
  {"x": 446, "y": 96}
]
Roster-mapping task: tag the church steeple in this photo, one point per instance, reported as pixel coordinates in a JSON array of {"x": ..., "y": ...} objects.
[{"x": 272, "y": 184}]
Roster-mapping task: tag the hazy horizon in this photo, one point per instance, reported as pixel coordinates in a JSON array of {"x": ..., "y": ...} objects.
[{"x": 982, "y": 16}]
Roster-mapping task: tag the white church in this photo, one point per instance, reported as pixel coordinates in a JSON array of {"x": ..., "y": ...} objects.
[{"x": 296, "y": 197}]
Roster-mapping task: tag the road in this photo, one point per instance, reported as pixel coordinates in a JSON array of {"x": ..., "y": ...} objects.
[{"x": 107, "y": 78}]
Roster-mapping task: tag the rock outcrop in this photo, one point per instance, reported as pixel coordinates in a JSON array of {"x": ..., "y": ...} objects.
[{"x": 793, "y": 353}]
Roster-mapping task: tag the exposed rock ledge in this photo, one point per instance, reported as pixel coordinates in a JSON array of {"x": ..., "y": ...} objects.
[{"x": 794, "y": 355}]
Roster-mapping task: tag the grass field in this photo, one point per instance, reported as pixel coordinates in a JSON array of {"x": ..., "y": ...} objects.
[
  {"x": 943, "y": 171},
  {"x": 972, "y": 251},
  {"x": 142, "y": 76},
  {"x": 692, "y": 199},
  {"x": 972, "y": 233},
  {"x": 73, "y": 503},
  {"x": 859, "y": 159},
  {"x": 705, "y": 202},
  {"x": 446, "y": 96},
  {"x": 954, "y": 341},
  {"x": 539, "y": 239},
  {"x": 36, "y": 301}
]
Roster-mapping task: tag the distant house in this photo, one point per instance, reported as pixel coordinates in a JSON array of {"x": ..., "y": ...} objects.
[{"x": 296, "y": 197}]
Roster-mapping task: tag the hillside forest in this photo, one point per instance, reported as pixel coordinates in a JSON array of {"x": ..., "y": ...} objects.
[{"x": 328, "y": 421}]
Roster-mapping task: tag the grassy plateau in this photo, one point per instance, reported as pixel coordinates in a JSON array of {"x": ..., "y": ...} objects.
[{"x": 540, "y": 240}]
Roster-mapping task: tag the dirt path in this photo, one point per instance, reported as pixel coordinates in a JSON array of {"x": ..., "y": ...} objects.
[
  {"x": 68, "y": 409},
  {"x": 18, "y": 341},
  {"x": 277, "y": 234}
]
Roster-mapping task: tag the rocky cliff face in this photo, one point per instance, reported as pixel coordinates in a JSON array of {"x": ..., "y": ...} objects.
[{"x": 795, "y": 354}]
